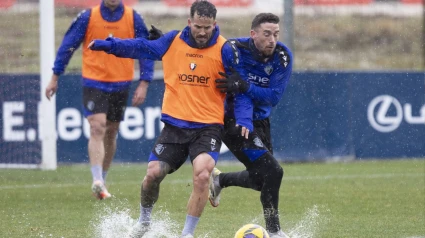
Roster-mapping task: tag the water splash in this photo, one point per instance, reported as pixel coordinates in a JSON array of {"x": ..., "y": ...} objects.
[
  {"x": 111, "y": 222},
  {"x": 115, "y": 221},
  {"x": 310, "y": 224},
  {"x": 163, "y": 226},
  {"x": 308, "y": 227}
]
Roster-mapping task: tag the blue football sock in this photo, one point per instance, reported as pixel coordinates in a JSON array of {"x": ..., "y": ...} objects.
[{"x": 190, "y": 225}]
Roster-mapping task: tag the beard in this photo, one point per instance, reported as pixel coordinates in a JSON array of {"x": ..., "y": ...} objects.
[{"x": 202, "y": 42}]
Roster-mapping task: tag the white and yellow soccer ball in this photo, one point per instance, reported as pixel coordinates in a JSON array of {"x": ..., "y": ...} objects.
[{"x": 252, "y": 231}]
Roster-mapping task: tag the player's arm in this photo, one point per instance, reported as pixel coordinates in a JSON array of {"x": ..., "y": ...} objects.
[
  {"x": 243, "y": 106},
  {"x": 244, "y": 111},
  {"x": 146, "y": 66},
  {"x": 70, "y": 43},
  {"x": 135, "y": 48}
]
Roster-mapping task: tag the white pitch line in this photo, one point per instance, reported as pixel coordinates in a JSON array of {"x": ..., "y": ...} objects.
[
  {"x": 352, "y": 176},
  {"x": 180, "y": 181}
]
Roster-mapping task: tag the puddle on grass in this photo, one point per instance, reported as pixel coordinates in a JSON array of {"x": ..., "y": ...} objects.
[{"x": 115, "y": 221}]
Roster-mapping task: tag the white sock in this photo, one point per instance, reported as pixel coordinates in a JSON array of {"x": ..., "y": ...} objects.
[
  {"x": 145, "y": 214},
  {"x": 190, "y": 225},
  {"x": 104, "y": 173},
  {"x": 96, "y": 172}
]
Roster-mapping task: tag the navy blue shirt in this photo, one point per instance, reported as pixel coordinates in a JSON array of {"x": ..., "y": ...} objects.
[{"x": 268, "y": 80}]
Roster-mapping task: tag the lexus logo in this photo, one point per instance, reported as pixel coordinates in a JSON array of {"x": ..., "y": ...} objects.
[
  {"x": 377, "y": 113},
  {"x": 380, "y": 120}
]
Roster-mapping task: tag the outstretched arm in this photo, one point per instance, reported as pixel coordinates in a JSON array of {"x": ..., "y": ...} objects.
[
  {"x": 135, "y": 48},
  {"x": 146, "y": 66}
]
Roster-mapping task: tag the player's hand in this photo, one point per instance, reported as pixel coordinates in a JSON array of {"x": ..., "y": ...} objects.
[
  {"x": 154, "y": 33},
  {"x": 101, "y": 45},
  {"x": 244, "y": 131},
  {"x": 231, "y": 83},
  {"x": 52, "y": 87},
  {"x": 140, "y": 93}
]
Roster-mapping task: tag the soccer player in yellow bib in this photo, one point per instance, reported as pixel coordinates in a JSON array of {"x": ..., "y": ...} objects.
[
  {"x": 192, "y": 109},
  {"x": 106, "y": 79}
]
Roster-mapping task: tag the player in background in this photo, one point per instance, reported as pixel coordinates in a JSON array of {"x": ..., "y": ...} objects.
[
  {"x": 106, "y": 79},
  {"x": 264, "y": 71},
  {"x": 192, "y": 109}
]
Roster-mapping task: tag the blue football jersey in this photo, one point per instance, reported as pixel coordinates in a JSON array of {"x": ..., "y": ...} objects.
[{"x": 268, "y": 80}]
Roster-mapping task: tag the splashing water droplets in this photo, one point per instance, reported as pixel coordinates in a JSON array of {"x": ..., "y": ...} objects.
[
  {"x": 309, "y": 225},
  {"x": 117, "y": 223}
]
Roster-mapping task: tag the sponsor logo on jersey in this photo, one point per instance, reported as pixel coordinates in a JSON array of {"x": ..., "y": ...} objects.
[
  {"x": 258, "y": 80},
  {"x": 192, "y": 78},
  {"x": 112, "y": 27},
  {"x": 194, "y": 55}
]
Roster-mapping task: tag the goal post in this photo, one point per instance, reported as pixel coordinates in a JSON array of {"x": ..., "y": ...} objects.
[
  {"x": 47, "y": 109},
  {"x": 27, "y": 118}
]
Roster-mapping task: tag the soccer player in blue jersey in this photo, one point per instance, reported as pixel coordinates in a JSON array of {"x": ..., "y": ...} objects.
[{"x": 263, "y": 74}]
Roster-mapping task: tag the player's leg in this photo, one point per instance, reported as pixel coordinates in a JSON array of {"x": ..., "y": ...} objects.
[
  {"x": 202, "y": 167},
  {"x": 116, "y": 109},
  {"x": 97, "y": 153},
  {"x": 110, "y": 145},
  {"x": 262, "y": 129},
  {"x": 269, "y": 171},
  {"x": 272, "y": 180},
  {"x": 263, "y": 173},
  {"x": 95, "y": 109},
  {"x": 96, "y": 147},
  {"x": 166, "y": 157},
  {"x": 235, "y": 142},
  {"x": 246, "y": 151},
  {"x": 149, "y": 194},
  {"x": 204, "y": 152}
]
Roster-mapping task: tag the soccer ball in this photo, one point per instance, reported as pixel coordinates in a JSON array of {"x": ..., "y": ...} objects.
[{"x": 252, "y": 231}]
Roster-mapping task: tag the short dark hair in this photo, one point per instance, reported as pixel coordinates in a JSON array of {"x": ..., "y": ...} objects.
[
  {"x": 263, "y": 18},
  {"x": 203, "y": 8}
]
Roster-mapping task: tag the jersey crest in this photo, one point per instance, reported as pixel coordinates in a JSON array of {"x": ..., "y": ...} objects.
[{"x": 268, "y": 69}]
